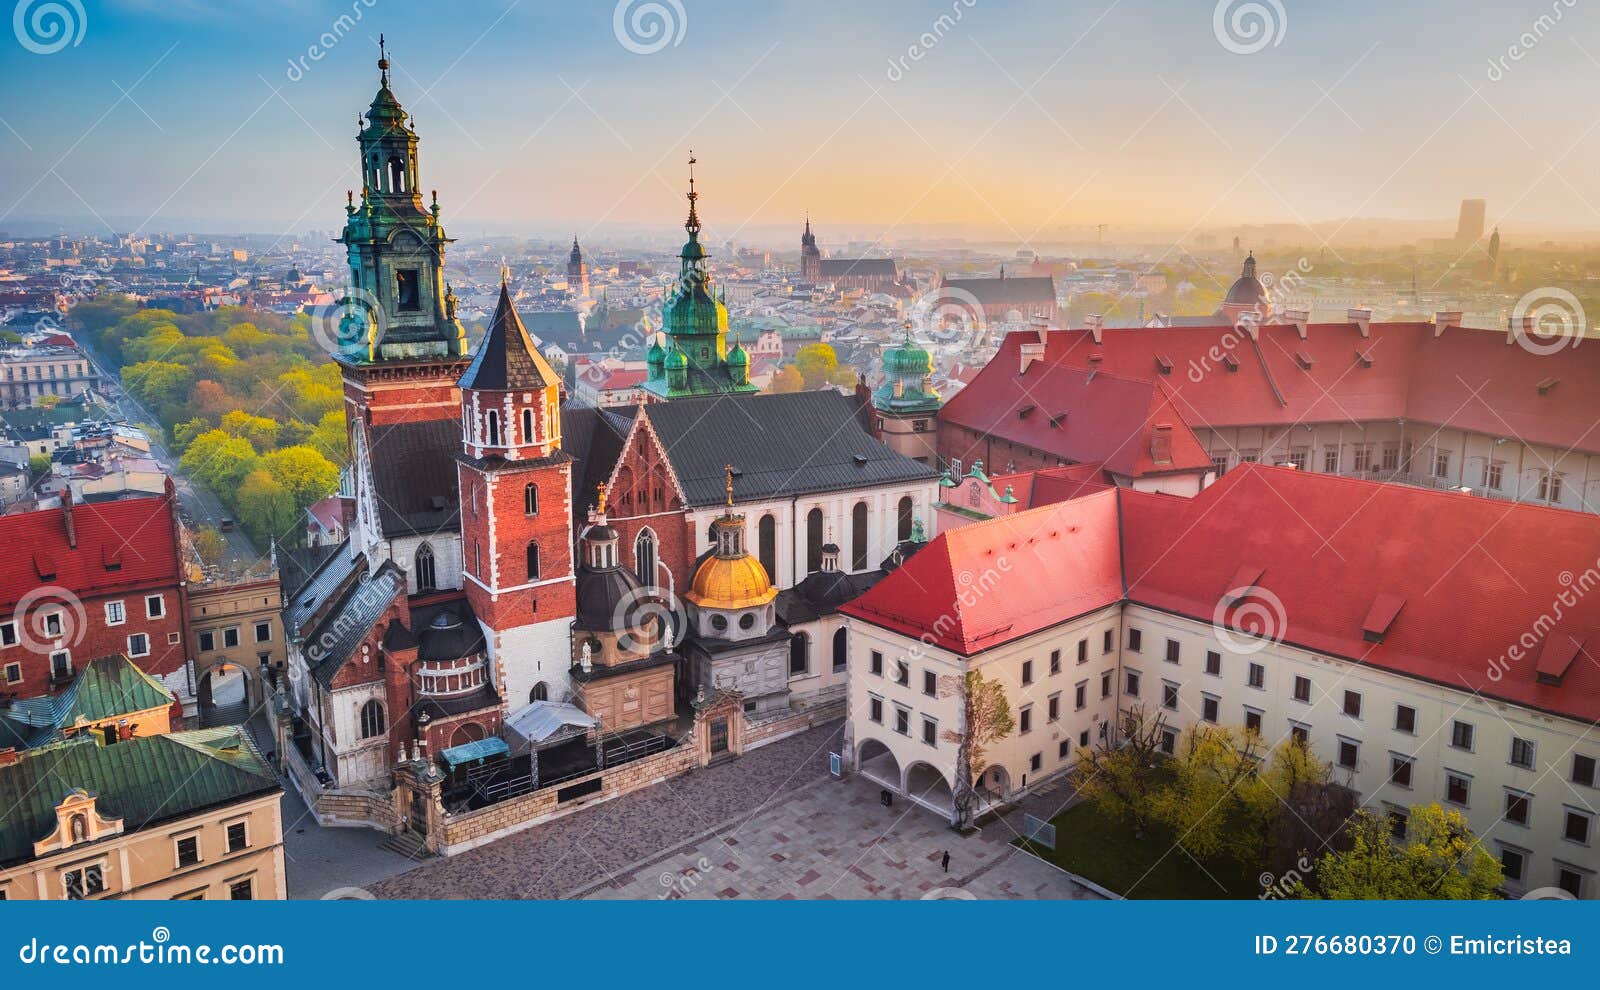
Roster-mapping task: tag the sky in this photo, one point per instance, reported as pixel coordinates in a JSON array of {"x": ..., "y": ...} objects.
[{"x": 1018, "y": 119}]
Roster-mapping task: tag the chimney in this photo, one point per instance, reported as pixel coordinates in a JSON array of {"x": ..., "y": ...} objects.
[
  {"x": 1518, "y": 326},
  {"x": 1362, "y": 318},
  {"x": 66, "y": 515},
  {"x": 1041, "y": 326},
  {"x": 1301, "y": 318},
  {"x": 1096, "y": 325},
  {"x": 1445, "y": 318},
  {"x": 1031, "y": 352},
  {"x": 1161, "y": 443}
]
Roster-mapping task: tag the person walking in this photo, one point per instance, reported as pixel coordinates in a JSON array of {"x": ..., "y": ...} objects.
[{"x": 944, "y": 861}]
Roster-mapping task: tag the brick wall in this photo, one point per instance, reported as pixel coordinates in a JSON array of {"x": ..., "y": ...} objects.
[
  {"x": 757, "y": 734},
  {"x": 505, "y": 557},
  {"x": 351, "y": 807}
]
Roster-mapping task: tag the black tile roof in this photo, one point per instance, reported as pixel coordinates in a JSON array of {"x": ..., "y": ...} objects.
[
  {"x": 845, "y": 267},
  {"x": 999, "y": 291},
  {"x": 594, "y": 438},
  {"x": 799, "y": 443},
  {"x": 508, "y": 358},
  {"x": 341, "y": 629},
  {"x": 414, "y": 473},
  {"x": 821, "y": 593}
]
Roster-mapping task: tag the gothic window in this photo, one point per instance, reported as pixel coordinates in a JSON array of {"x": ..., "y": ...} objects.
[
  {"x": 799, "y": 655},
  {"x": 813, "y": 541},
  {"x": 903, "y": 529},
  {"x": 530, "y": 499},
  {"x": 426, "y": 580},
  {"x": 858, "y": 537},
  {"x": 767, "y": 544},
  {"x": 533, "y": 561},
  {"x": 540, "y": 692},
  {"x": 527, "y": 426},
  {"x": 492, "y": 427},
  {"x": 372, "y": 723},
  {"x": 408, "y": 291},
  {"x": 644, "y": 557},
  {"x": 841, "y": 650}
]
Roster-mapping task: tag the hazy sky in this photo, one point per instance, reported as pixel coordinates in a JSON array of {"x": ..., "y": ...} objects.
[{"x": 1020, "y": 116}]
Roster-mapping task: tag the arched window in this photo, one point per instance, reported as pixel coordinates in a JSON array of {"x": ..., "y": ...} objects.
[
  {"x": 527, "y": 425},
  {"x": 799, "y": 655},
  {"x": 426, "y": 579},
  {"x": 858, "y": 537},
  {"x": 372, "y": 723},
  {"x": 644, "y": 557},
  {"x": 397, "y": 176},
  {"x": 767, "y": 544},
  {"x": 540, "y": 692},
  {"x": 841, "y": 650},
  {"x": 903, "y": 527},
  {"x": 533, "y": 561},
  {"x": 530, "y": 499},
  {"x": 492, "y": 418},
  {"x": 813, "y": 541}
]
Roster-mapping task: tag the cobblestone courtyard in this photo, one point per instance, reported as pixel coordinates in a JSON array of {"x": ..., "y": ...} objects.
[{"x": 770, "y": 825}]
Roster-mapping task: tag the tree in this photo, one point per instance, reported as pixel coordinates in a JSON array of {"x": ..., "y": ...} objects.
[
  {"x": 161, "y": 385},
  {"x": 210, "y": 545},
  {"x": 218, "y": 461},
  {"x": 39, "y": 465},
  {"x": 304, "y": 473},
  {"x": 267, "y": 509},
  {"x": 787, "y": 379},
  {"x": 1120, "y": 774},
  {"x": 1213, "y": 803},
  {"x": 1440, "y": 860},
  {"x": 328, "y": 438},
  {"x": 816, "y": 363},
  {"x": 259, "y": 430},
  {"x": 985, "y": 718},
  {"x": 183, "y": 434}
]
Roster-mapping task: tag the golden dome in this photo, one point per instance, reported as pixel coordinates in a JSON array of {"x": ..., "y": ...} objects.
[{"x": 731, "y": 583}]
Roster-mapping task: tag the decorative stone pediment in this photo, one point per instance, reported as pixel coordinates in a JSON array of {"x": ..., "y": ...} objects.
[{"x": 78, "y": 822}]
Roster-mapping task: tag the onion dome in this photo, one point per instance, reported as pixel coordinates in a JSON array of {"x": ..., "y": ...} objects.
[
  {"x": 1247, "y": 292},
  {"x": 677, "y": 359},
  {"x": 737, "y": 354},
  {"x": 729, "y": 578}
]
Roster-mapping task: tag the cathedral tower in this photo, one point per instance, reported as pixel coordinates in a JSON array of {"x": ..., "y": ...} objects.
[
  {"x": 577, "y": 271},
  {"x": 905, "y": 404},
  {"x": 516, "y": 515},
  {"x": 810, "y": 257}
]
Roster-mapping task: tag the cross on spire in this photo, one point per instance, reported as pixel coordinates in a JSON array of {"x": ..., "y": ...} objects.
[
  {"x": 729, "y": 469},
  {"x": 383, "y": 61},
  {"x": 693, "y": 224}
]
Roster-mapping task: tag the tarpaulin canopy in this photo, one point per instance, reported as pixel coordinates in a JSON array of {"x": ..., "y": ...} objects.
[{"x": 478, "y": 749}]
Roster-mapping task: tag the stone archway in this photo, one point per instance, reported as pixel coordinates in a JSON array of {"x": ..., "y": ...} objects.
[
  {"x": 875, "y": 762},
  {"x": 927, "y": 786},
  {"x": 994, "y": 784},
  {"x": 226, "y": 693}
]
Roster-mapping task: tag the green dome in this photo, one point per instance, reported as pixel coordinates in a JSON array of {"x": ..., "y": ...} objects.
[
  {"x": 737, "y": 355},
  {"x": 677, "y": 359},
  {"x": 656, "y": 353},
  {"x": 907, "y": 360}
]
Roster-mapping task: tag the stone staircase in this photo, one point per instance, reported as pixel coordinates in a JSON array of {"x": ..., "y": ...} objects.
[{"x": 408, "y": 844}]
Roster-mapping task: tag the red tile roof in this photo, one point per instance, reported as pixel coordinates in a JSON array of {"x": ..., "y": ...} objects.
[
  {"x": 137, "y": 532},
  {"x": 1469, "y": 591},
  {"x": 1048, "y": 486},
  {"x": 1075, "y": 413}
]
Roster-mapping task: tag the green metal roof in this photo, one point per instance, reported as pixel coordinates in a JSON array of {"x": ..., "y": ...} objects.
[
  {"x": 142, "y": 781},
  {"x": 109, "y": 687}
]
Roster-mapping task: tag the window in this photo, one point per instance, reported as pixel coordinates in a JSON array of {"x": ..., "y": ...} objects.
[
  {"x": 208, "y": 641},
  {"x": 52, "y": 624},
  {"x": 1583, "y": 770},
  {"x": 1400, "y": 770},
  {"x": 841, "y": 649},
  {"x": 930, "y": 731},
  {"x": 1213, "y": 663},
  {"x": 1517, "y": 807},
  {"x": 1169, "y": 741},
  {"x": 1570, "y": 880},
  {"x": 1055, "y": 661},
  {"x": 540, "y": 692},
  {"x": 60, "y": 665},
  {"x": 902, "y": 673},
  {"x": 876, "y": 663},
  {"x": 188, "y": 849},
  {"x": 8, "y": 634},
  {"x": 1108, "y": 641},
  {"x": 930, "y": 683},
  {"x": 138, "y": 645},
  {"x": 644, "y": 558},
  {"x": 1172, "y": 651},
  {"x": 263, "y": 632},
  {"x": 1461, "y": 735},
  {"x": 1219, "y": 464},
  {"x": 116, "y": 615},
  {"x": 1080, "y": 695},
  {"x": 407, "y": 290},
  {"x": 1522, "y": 753},
  {"x": 423, "y": 566},
  {"x": 1441, "y": 464},
  {"x": 1349, "y": 753},
  {"x": 1025, "y": 719},
  {"x": 1494, "y": 475},
  {"x": 1257, "y": 677},
  {"x": 527, "y": 428},
  {"x": 1302, "y": 688},
  {"x": 1330, "y": 460},
  {"x": 1352, "y": 704},
  {"x": 533, "y": 560},
  {"x": 1549, "y": 487},
  {"x": 1083, "y": 651},
  {"x": 1576, "y": 828},
  {"x": 238, "y": 836},
  {"x": 1133, "y": 684},
  {"x": 491, "y": 431},
  {"x": 858, "y": 537},
  {"x": 799, "y": 655},
  {"x": 902, "y": 720},
  {"x": 1064, "y": 749},
  {"x": 1083, "y": 738},
  {"x": 1391, "y": 456},
  {"x": 85, "y": 881},
  {"x": 1169, "y": 696},
  {"x": 155, "y": 606},
  {"x": 875, "y": 709},
  {"x": 1054, "y": 708},
  {"x": 530, "y": 500},
  {"x": 1035, "y": 762},
  {"x": 1405, "y": 719},
  {"x": 1135, "y": 640},
  {"x": 372, "y": 719},
  {"x": 1398, "y": 820},
  {"x": 1512, "y": 863},
  {"x": 767, "y": 544},
  {"x": 813, "y": 541},
  {"x": 1300, "y": 734},
  {"x": 903, "y": 520},
  {"x": 1457, "y": 788},
  {"x": 1208, "y": 707},
  {"x": 1027, "y": 672},
  {"x": 1363, "y": 457},
  {"x": 230, "y": 638},
  {"x": 1105, "y": 684},
  {"x": 13, "y": 673},
  {"x": 240, "y": 890}
]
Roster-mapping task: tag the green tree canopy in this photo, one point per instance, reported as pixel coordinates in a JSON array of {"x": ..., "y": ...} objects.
[
  {"x": 304, "y": 473},
  {"x": 1440, "y": 859},
  {"x": 218, "y": 461},
  {"x": 267, "y": 509}
]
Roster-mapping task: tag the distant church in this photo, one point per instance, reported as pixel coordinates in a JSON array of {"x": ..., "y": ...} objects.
[{"x": 872, "y": 274}]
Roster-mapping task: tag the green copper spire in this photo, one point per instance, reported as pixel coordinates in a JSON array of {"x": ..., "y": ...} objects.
[
  {"x": 907, "y": 379},
  {"x": 695, "y": 319}
]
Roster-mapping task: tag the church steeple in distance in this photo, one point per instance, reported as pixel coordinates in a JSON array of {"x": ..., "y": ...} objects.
[{"x": 398, "y": 306}]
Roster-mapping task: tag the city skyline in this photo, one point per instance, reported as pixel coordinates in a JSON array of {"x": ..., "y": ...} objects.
[{"x": 1026, "y": 124}]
